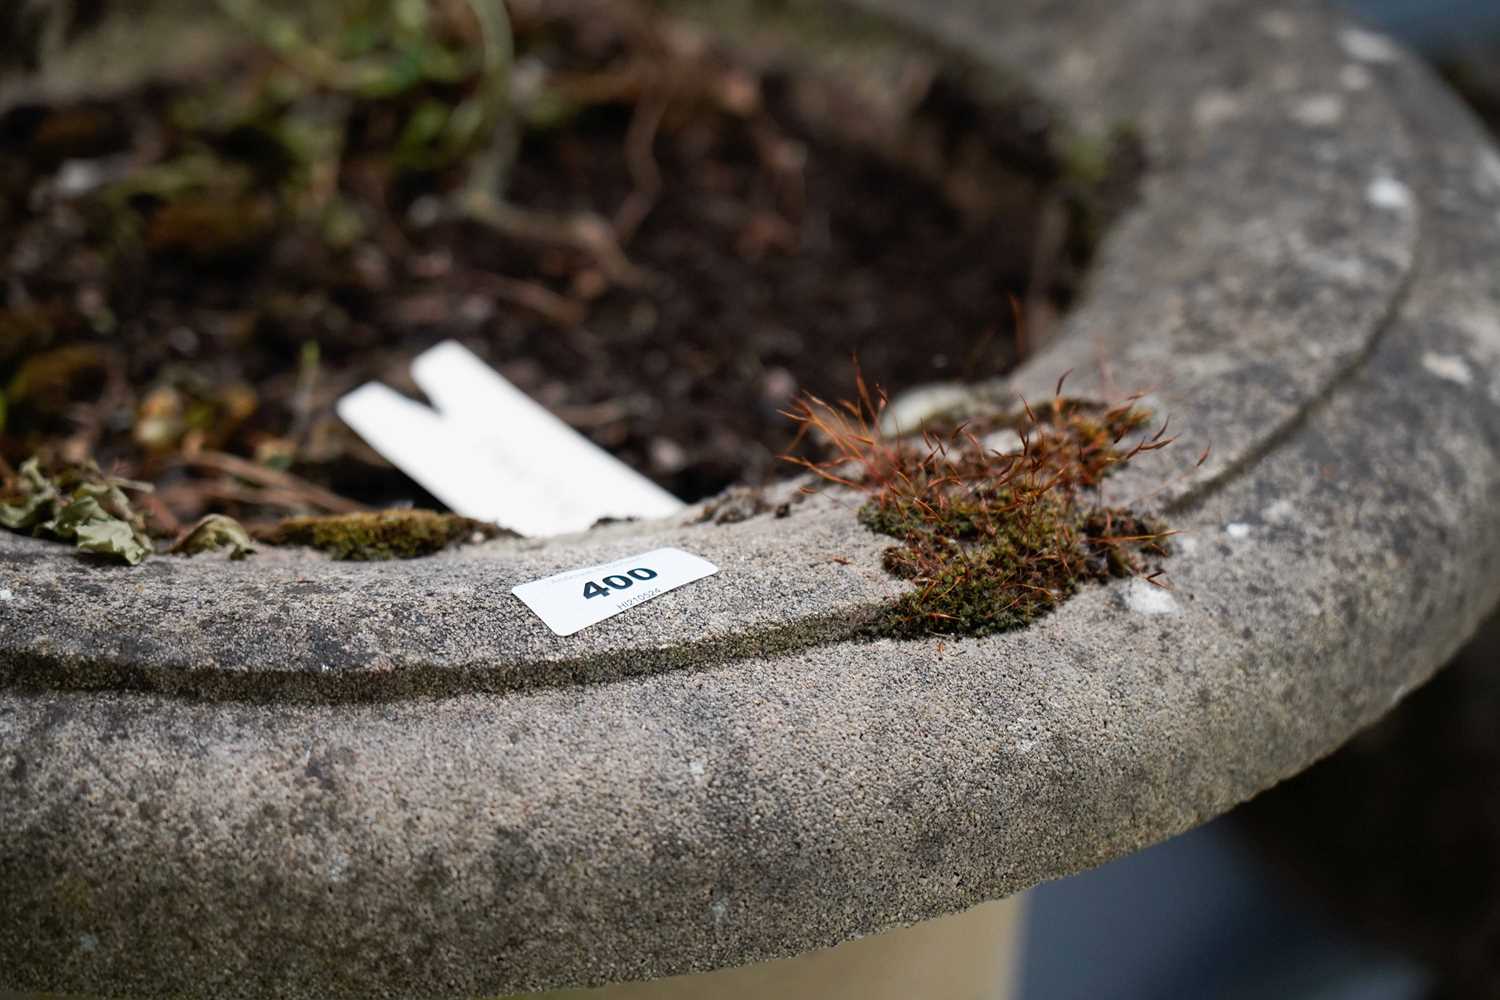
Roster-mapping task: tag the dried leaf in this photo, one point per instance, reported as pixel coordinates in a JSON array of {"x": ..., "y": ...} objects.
[
  {"x": 212, "y": 533},
  {"x": 96, "y": 515},
  {"x": 94, "y": 529},
  {"x": 37, "y": 503}
]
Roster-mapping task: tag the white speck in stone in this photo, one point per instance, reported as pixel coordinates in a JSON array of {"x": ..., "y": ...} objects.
[
  {"x": 908, "y": 411},
  {"x": 338, "y": 867},
  {"x": 6, "y": 595},
  {"x": 1355, "y": 77},
  {"x": 1187, "y": 544},
  {"x": 88, "y": 942},
  {"x": 1314, "y": 348},
  {"x": 1278, "y": 24},
  {"x": 1215, "y": 107},
  {"x": 696, "y": 768},
  {"x": 1148, "y": 599},
  {"x": 1348, "y": 270},
  {"x": 1448, "y": 366},
  {"x": 1025, "y": 746},
  {"x": 1489, "y": 168},
  {"x": 719, "y": 910},
  {"x": 1387, "y": 192},
  {"x": 1319, "y": 110},
  {"x": 1280, "y": 512},
  {"x": 1237, "y": 530},
  {"x": 1367, "y": 46},
  {"x": 1004, "y": 441}
]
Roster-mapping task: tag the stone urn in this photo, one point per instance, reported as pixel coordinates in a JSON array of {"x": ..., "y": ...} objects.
[{"x": 291, "y": 777}]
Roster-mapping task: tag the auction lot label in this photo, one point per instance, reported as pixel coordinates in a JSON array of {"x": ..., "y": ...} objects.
[{"x": 576, "y": 599}]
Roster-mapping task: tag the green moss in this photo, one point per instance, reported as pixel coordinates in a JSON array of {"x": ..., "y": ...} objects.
[
  {"x": 991, "y": 539},
  {"x": 388, "y": 534},
  {"x": 981, "y": 574}
]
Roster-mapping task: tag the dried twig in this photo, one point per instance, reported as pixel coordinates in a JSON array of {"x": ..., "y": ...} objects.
[
  {"x": 290, "y": 490},
  {"x": 640, "y": 139},
  {"x": 583, "y": 232}
]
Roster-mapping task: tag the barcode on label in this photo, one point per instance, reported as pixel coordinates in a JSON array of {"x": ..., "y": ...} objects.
[{"x": 574, "y": 600}]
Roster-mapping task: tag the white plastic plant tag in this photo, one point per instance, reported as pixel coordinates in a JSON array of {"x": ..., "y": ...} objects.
[
  {"x": 490, "y": 452},
  {"x": 568, "y": 602}
]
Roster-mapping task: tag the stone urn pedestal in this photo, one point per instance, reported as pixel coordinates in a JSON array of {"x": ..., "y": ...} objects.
[{"x": 291, "y": 777}]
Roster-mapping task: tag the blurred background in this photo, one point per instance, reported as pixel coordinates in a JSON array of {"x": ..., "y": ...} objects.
[{"x": 1439, "y": 28}]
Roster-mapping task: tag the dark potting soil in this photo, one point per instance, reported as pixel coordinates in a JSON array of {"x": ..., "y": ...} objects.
[{"x": 196, "y": 271}]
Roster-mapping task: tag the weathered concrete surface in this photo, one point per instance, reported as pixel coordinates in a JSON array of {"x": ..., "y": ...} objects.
[{"x": 297, "y": 778}]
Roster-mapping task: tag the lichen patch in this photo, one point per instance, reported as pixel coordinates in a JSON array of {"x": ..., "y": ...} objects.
[
  {"x": 1318, "y": 110},
  {"x": 1389, "y": 193},
  {"x": 1449, "y": 367},
  {"x": 1367, "y": 46},
  {"x": 1148, "y": 599}
]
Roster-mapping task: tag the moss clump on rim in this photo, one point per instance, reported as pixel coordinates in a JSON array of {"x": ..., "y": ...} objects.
[
  {"x": 977, "y": 578},
  {"x": 386, "y": 534},
  {"x": 998, "y": 522}
]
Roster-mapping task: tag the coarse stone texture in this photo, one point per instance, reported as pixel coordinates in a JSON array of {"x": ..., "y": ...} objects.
[{"x": 296, "y": 778}]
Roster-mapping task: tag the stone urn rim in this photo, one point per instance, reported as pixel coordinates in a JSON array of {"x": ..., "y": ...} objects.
[{"x": 297, "y": 777}]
